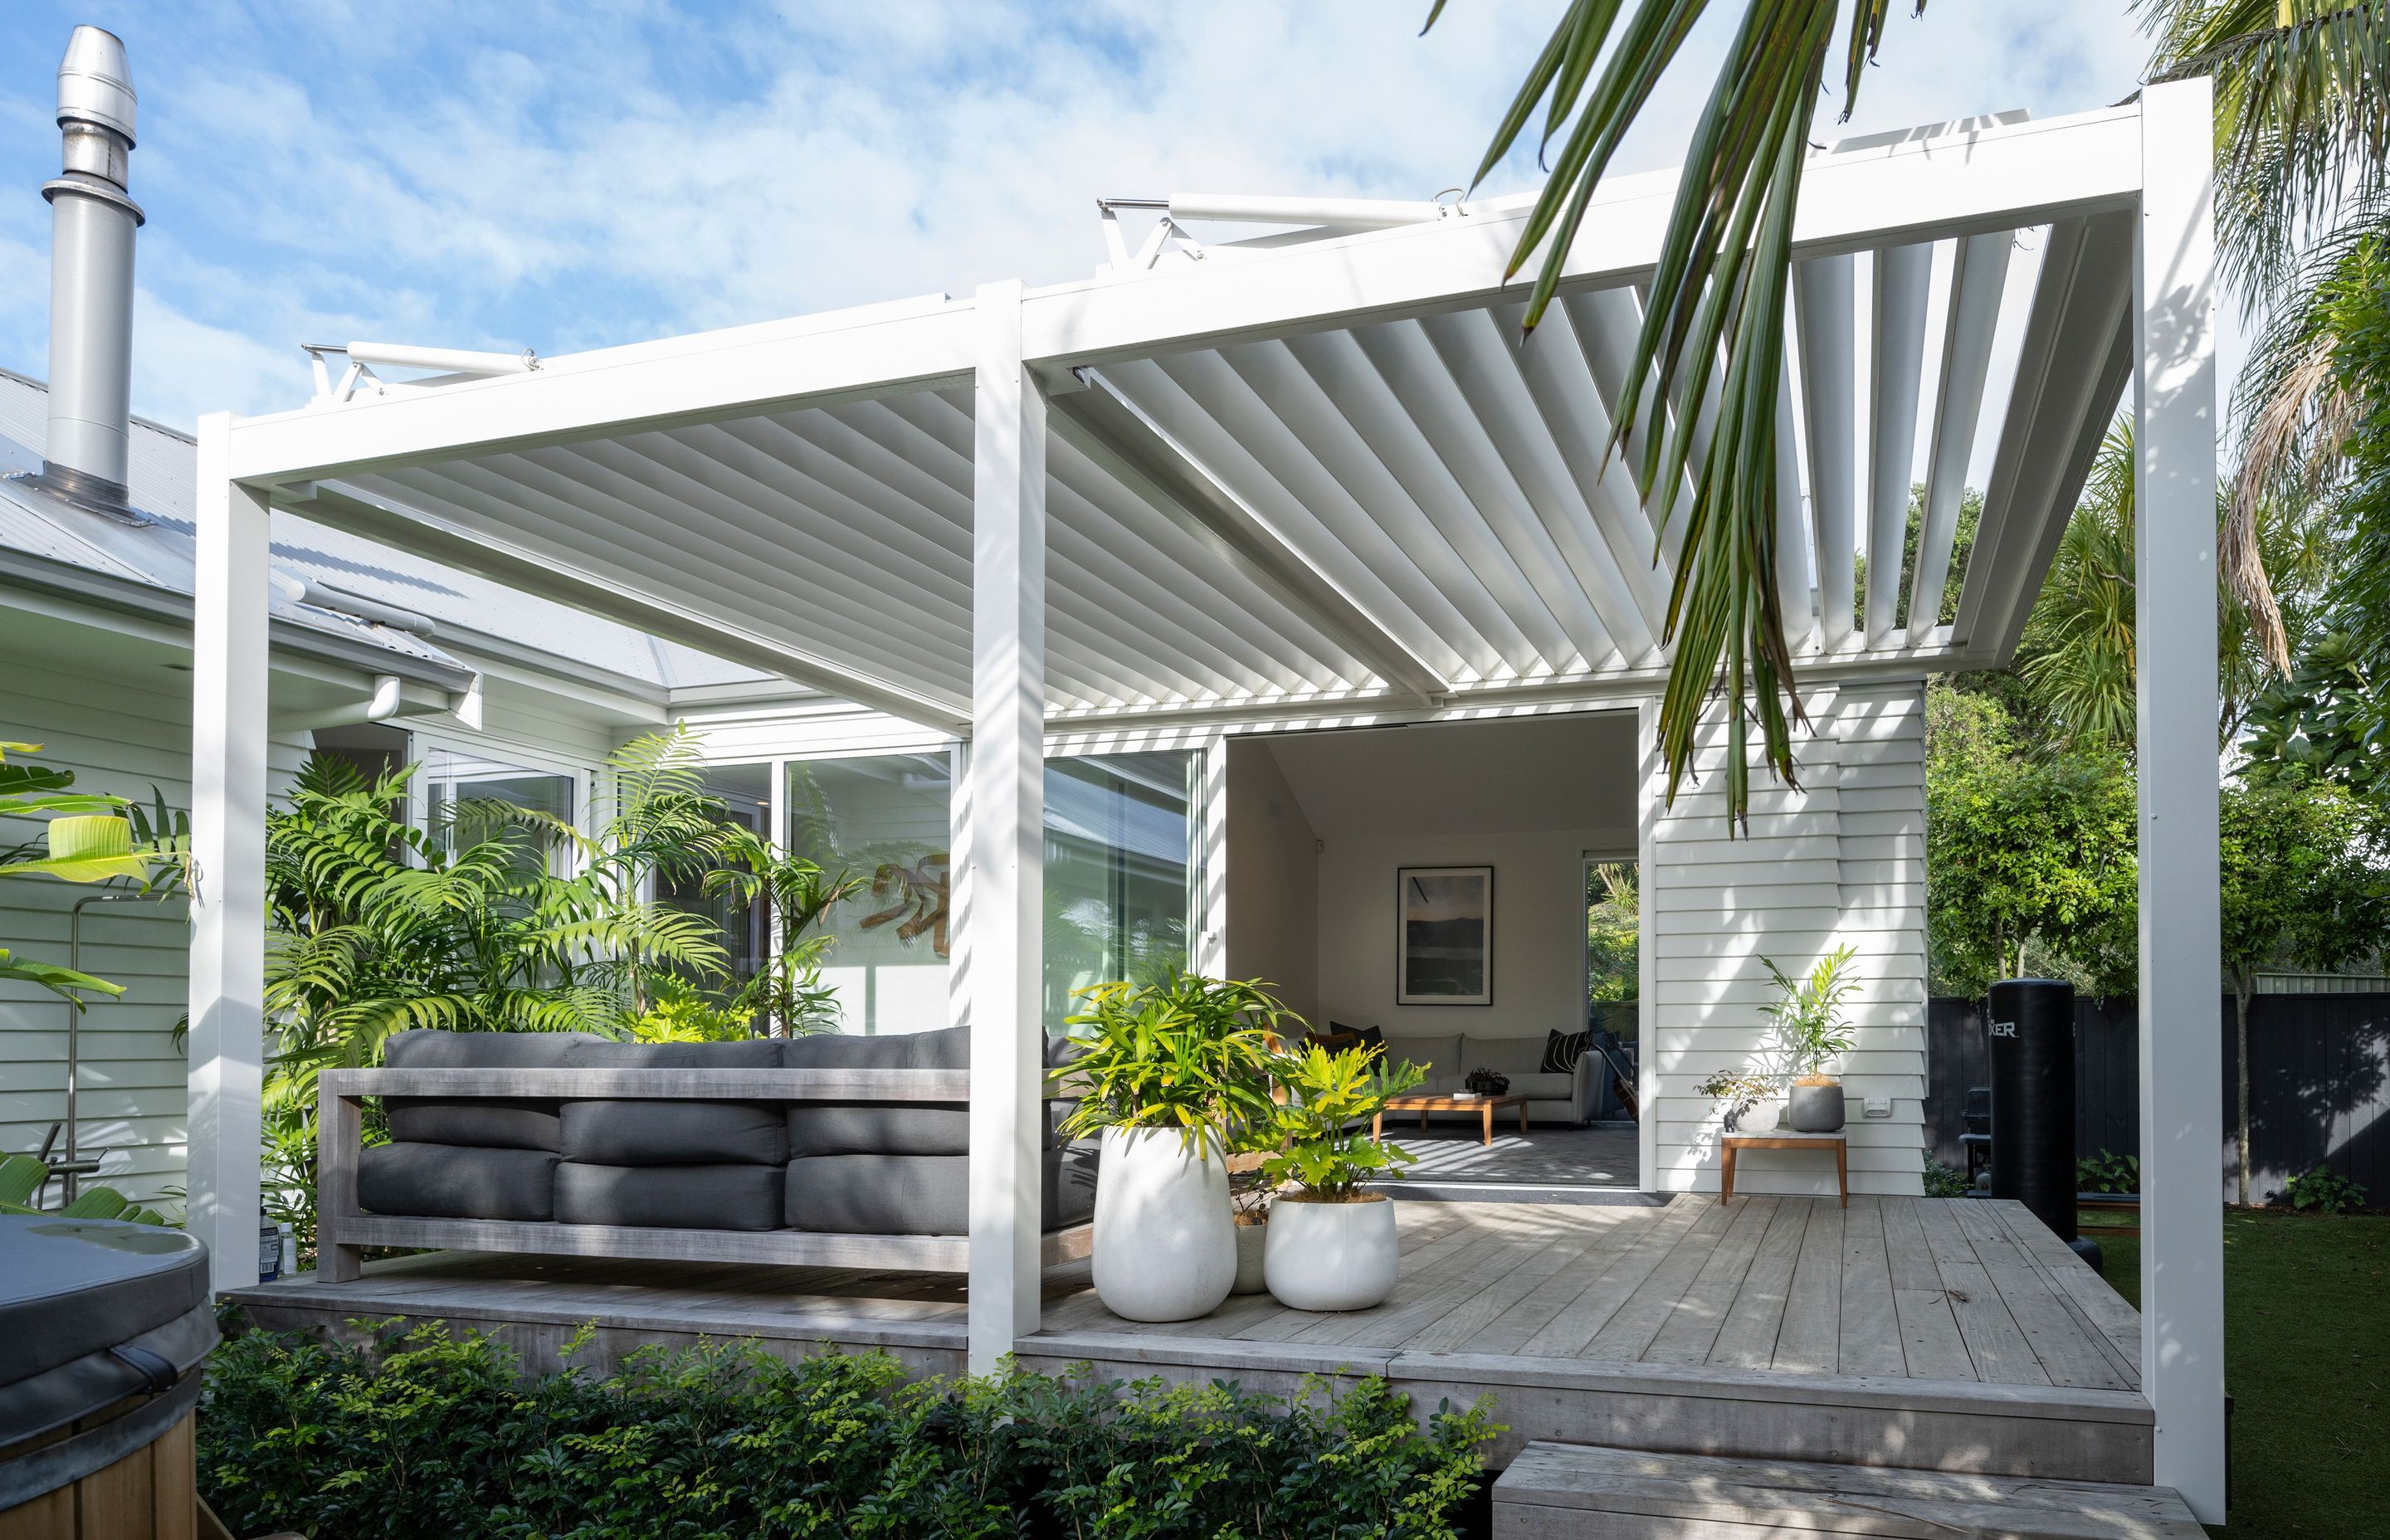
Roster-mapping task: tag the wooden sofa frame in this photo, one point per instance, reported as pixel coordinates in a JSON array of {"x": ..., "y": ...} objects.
[{"x": 343, "y": 1227}]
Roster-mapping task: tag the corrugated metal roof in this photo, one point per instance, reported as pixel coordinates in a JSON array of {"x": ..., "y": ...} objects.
[{"x": 158, "y": 554}]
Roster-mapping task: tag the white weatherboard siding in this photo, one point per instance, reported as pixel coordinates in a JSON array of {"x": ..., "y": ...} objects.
[
  {"x": 1840, "y": 860},
  {"x": 124, "y": 736}
]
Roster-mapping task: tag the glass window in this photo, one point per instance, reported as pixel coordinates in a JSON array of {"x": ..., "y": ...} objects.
[
  {"x": 1118, "y": 833},
  {"x": 747, "y": 791},
  {"x": 884, "y": 819},
  {"x": 1119, "y": 876},
  {"x": 454, "y": 782}
]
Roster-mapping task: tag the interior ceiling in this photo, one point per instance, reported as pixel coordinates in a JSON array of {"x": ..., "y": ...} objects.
[
  {"x": 1414, "y": 507},
  {"x": 1498, "y": 775}
]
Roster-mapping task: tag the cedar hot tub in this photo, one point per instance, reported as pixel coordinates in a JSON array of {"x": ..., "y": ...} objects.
[{"x": 103, "y": 1327}]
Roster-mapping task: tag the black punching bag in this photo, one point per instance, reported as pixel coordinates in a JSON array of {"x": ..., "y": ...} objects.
[{"x": 2032, "y": 1031}]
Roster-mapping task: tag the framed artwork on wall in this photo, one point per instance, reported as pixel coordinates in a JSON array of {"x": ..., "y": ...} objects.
[{"x": 1444, "y": 938}]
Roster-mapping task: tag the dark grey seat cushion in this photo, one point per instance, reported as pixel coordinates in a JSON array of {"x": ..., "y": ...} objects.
[
  {"x": 675, "y": 1132},
  {"x": 444, "y": 1181},
  {"x": 922, "y": 1194},
  {"x": 674, "y": 1197},
  {"x": 896, "y": 1127},
  {"x": 529, "y": 1123}
]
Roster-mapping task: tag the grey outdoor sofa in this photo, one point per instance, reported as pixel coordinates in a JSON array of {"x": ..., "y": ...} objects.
[{"x": 828, "y": 1149}]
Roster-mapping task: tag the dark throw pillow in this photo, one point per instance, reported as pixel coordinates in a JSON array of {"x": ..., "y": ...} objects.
[{"x": 1563, "y": 1049}]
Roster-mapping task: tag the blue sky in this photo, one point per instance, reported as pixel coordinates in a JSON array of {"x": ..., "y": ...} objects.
[{"x": 564, "y": 175}]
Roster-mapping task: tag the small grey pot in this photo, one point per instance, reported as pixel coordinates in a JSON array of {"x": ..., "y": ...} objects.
[
  {"x": 1252, "y": 1240},
  {"x": 1817, "y": 1109}
]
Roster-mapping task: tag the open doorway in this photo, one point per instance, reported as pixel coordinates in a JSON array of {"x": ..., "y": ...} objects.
[{"x": 1427, "y": 886}]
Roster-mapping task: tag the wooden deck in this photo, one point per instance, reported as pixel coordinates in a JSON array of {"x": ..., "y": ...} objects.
[{"x": 1936, "y": 1334}]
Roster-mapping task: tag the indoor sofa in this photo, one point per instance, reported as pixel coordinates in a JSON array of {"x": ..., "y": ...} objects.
[{"x": 1554, "y": 1099}]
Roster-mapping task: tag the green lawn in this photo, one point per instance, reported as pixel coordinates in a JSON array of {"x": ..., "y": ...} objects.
[{"x": 2307, "y": 1306}]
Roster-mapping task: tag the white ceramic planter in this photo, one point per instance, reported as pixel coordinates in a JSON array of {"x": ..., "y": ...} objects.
[
  {"x": 1165, "y": 1243},
  {"x": 1330, "y": 1256},
  {"x": 1252, "y": 1240}
]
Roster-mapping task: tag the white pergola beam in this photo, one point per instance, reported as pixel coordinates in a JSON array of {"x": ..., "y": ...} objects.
[
  {"x": 1103, "y": 423},
  {"x": 485, "y": 555},
  {"x": 1978, "y": 280},
  {"x": 228, "y": 789},
  {"x": 1903, "y": 283},
  {"x": 1825, "y": 289},
  {"x": 2174, "y": 473},
  {"x": 822, "y": 360},
  {"x": 2072, "y": 365},
  {"x": 1006, "y": 844},
  {"x": 1915, "y": 190}
]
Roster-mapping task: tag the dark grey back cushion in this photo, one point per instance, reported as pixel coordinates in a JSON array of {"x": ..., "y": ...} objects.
[
  {"x": 675, "y": 1132},
  {"x": 672, "y": 1197},
  {"x": 525, "y": 1123},
  {"x": 897, "y": 1127},
  {"x": 443, "y": 1181},
  {"x": 922, "y": 1194}
]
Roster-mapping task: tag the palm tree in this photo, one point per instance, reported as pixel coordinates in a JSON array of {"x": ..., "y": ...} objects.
[{"x": 2298, "y": 93}]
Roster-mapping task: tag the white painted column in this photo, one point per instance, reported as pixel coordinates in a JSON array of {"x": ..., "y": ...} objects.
[
  {"x": 2182, "y": 1119},
  {"x": 228, "y": 780},
  {"x": 1653, "y": 791},
  {"x": 1210, "y": 954},
  {"x": 1006, "y": 785}
]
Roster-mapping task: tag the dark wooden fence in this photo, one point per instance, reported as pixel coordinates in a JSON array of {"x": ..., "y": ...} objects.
[{"x": 2319, "y": 1084}]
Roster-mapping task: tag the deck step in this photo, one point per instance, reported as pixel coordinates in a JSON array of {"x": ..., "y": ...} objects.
[{"x": 1580, "y": 1491}]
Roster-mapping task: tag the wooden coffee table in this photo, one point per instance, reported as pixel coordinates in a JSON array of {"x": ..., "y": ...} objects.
[{"x": 1423, "y": 1104}]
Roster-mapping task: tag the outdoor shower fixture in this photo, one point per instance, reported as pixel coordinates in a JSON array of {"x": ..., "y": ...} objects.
[{"x": 92, "y": 225}]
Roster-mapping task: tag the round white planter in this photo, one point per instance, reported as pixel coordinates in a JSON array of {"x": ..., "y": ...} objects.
[
  {"x": 1165, "y": 1245},
  {"x": 1330, "y": 1256},
  {"x": 1252, "y": 1239}
]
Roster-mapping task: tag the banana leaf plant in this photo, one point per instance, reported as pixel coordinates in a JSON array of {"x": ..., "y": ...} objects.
[{"x": 87, "y": 837}]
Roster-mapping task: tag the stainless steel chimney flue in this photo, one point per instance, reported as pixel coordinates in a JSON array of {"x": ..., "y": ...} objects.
[{"x": 92, "y": 221}]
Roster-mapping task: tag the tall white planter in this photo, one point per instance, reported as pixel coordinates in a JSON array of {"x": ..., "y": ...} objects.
[
  {"x": 1331, "y": 1256},
  {"x": 1165, "y": 1238}
]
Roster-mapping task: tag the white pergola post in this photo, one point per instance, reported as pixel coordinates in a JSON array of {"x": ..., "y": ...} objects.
[
  {"x": 228, "y": 974},
  {"x": 2182, "y": 1120},
  {"x": 1006, "y": 785}
]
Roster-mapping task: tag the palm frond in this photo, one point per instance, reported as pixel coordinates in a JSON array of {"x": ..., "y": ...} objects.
[
  {"x": 1716, "y": 311},
  {"x": 2302, "y": 117}
]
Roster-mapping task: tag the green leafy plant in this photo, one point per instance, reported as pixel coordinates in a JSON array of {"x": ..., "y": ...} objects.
[
  {"x": 423, "y": 1434},
  {"x": 787, "y": 991},
  {"x": 1322, "y": 1128},
  {"x": 1738, "y": 1091},
  {"x": 86, "y": 837},
  {"x": 1808, "y": 1016},
  {"x": 1189, "y": 1053},
  {"x": 2320, "y": 1189},
  {"x": 2108, "y": 1171},
  {"x": 1944, "y": 1181}
]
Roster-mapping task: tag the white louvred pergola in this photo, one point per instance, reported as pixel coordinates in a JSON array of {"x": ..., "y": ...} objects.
[{"x": 1316, "y": 480}]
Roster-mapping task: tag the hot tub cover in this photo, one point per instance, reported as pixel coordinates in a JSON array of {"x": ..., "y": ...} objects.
[{"x": 92, "y": 1312}]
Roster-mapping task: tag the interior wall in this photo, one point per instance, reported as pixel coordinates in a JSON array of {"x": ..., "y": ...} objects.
[
  {"x": 1538, "y": 928},
  {"x": 1273, "y": 879},
  {"x": 1528, "y": 796}
]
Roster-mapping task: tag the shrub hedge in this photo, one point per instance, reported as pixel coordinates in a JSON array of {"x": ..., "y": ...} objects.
[{"x": 420, "y": 1435}]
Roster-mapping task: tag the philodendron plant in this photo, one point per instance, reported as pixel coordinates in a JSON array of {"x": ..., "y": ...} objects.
[
  {"x": 1324, "y": 1141},
  {"x": 1189, "y": 1053},
  {"x": 1808, "y": 1017}
]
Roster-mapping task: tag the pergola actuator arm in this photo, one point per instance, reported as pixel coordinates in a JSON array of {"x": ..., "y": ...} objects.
[{"x": 1102, "y": 423}]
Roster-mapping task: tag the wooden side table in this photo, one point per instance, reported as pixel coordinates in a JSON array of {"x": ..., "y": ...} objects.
[{"x": 1785, "y": 1138}]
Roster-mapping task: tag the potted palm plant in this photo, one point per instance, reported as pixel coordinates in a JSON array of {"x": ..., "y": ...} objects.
[
  {"x": 1332, "y": 1245},
  {"x": 1170, "y": 1069},
  {"x": 1810, "y": 1032}
]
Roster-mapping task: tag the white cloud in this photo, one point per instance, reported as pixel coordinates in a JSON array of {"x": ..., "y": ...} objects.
[{"x": 570, "y": 174}]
